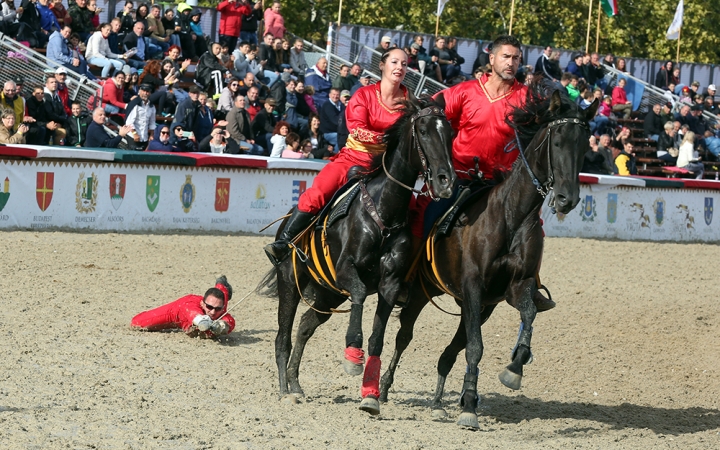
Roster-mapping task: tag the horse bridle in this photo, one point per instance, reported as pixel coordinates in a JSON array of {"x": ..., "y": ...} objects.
[
  {"x": 426, "y": 170},
  {"x": 544, "y": 189}
]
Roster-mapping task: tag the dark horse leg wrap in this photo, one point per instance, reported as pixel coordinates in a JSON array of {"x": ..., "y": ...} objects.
[
  {"x": 470, "y": 384},
  {"x": 524, "y": 340}
]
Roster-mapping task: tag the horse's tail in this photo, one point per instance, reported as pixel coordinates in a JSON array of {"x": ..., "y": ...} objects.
[{"x": 268, "y": 285}]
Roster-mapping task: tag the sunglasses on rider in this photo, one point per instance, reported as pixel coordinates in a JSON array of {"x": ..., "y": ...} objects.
[{"x": 212, "y": 308}]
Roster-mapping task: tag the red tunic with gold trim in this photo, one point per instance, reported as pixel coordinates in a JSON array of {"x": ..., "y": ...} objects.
[
  {"x": 367, "y": 119},
  {"x": 479, "y": 121}
]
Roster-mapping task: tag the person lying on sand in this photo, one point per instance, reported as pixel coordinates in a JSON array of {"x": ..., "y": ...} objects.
[{"x": 196, "y": 315}]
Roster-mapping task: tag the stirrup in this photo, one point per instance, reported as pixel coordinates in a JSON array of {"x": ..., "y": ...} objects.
[{"x": 270, "y": 250}]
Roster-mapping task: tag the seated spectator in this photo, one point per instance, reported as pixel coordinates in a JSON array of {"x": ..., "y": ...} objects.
[
  {"x": 112, "y": 94},
  {"x": 135, "y": 42},
  {"x": 604, "y": 148},
  {"x": 218, "y": 141},
  {"x": 267, "y": 58},
  {"x": 569, "y": 82},
  {"x": 625, "y": 160},
  {"x": 306, "y": 147},
  {"x": 98, "y": 52},
  {"x": 228, "y": 94},
  {"x": 365, "y": 80},
  {"x": 161, "y": 141},
  {"x": 292, "y": 116},
  {"x": 210, "y": 72},
  {"x": 688, "y": 158},
  {"x": 609, "y": 61},
  {"x": 653, "y": 123},
  {"x": 282, "y": 54},
  {"x": 61, "y": 13},
  {"x": 330, "y": 113},
  {"x": 39, "y": 130},
  {"x": 171, "y": 23},
  {"x": 99, "y": 138},
  {"x": 712, "y": 143},
  {"x": 159, "y": 96},
  {"x": 55, "y": 110},
  {"x": 186, "y": 111},
  {"x": 59, "y": 51},
  {"x": 198, "y": 37},
  {"x": 342, "y": 81},
  {"x": 574, "y": 65},
  {"x": 127, "y": 19},
  {"x": 95, "y": 18},
  {"x": 318, "y": 78},
  {"x": 205, "y": 119},
  {"x": 666, "y": 114},
  {"x": 239, "y": 126},
  {"x": 171, "y": 73},
  {"x": 293, "y": 149},
  {"x": 322, "y": 149},
  {"x": 622, "y": 65},
  {"x": 594, "y": 161},
  {"x": 666, "y": 147},
  {"x": 281, "y": 130},
  {"x": 48, "y": 21},
  {"x": 448, "y": 69},
  {"x": 9, "y": 99},
  {"x": 685, "y": 96},
  {"x": 710, "y": 91},
  {"x": 81, "y": 19},
  {"x": 264, "y": 123},
  {"x": 385, "y": 45},
  {"x": 252, "y": 103},
  {"x": 622, "y": 138},
  {"x": 297, "y": 59},
  {"x": 7, "y": 135},
  {"x": 244, "y": 58},
  {"x": 619, "y": 100},
  {"x": 183, "y": 140},
  {"x": 309, "y": 101},
  {"x": 77, "y": 126},
  {"x": 130, "y": 89}
]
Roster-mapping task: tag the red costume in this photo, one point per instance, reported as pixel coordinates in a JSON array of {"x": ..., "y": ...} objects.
[
  {"x": 367, "y": 119},
  {"x": 179, "y": 314},
  {"x": 479, "y": 124}
]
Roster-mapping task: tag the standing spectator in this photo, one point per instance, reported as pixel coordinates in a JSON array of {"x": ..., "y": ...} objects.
[
  {"x": 55, "y": 111},
  {"x": 343, "y": 81},
  {"x": 158, "y": 34},
  {"x": 204, "y": 120},
  {"x": 210, "y": 71},
  {"x": 186, "y": 111},
  {"x": 141, "y": 117},
  {"x": 249, "y": 28},
  {"x": 239, "y": 125},
  {"x": 653, "y": 124},
  {"x": 136, "y": 41},
  {"x": 95, "y": 18},
  {"x": 264, "y": 123},
  {"x": 183, "y": 28},
  {"x": 297, "y": 59},
  {"x": 619, "y": 99},
  {"x": 7, "y": 135},
  {"x": 318, "y": 78},
  {"x": 274, "y": 22},
  {"x": 77, "y": 126},
  {"x": 29, "y": 16},
  {"x": 330, "y": 113},
  {"x": 98, "y": 52},
  {"x": 688, "y": 158},
  {"x": 231, "y": 14},
  {"x": 252, "y": 104},
  {"x": 664, "y": 75},
  {"x": 81, "y": 19},
  {"x": 542, "y": 65},
  {"x": 483, "y": 58}
]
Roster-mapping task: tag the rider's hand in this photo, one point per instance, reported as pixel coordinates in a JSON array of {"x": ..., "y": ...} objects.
[
  {"x": 220, "y": 327},
  {"x": 202, "y": 322}
]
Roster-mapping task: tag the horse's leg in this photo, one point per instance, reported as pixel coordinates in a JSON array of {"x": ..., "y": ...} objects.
[
  {"x": 521, "y": 294},
  {"x": 324, "y": 301},
  {"x": 471, "y": 310},
  {"x": 448, "y": 358},
  {"x": 408, "y": 317},
  {"x": 289, "y": 298},
  {"x": 370, "y": 391},
  {"x": 354, "y": 354}
]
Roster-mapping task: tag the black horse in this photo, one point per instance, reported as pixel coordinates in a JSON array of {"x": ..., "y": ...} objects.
[
  {"x": 496, "y": 255},
  {"x": 370, "y": 249}
]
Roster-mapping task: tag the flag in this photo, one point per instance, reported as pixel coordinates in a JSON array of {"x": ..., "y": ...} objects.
[
  {"x": 674, "y": 31},
  {"x": 441, "y": 6},
  {"x": 610, "y": 7}
]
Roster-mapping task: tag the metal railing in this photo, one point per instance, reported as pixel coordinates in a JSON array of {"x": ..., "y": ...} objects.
[
  {"x": 355, "y": 52},
  {"x": 313, "y": 53}
]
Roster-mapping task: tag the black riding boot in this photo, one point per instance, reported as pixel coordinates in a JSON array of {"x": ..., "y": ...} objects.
[{"x": 280, "y": 249}]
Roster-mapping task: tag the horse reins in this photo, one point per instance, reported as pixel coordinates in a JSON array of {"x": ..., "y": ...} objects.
[
  {"x": 426, "y": 171},
  {"x": 544, "y": 189}
]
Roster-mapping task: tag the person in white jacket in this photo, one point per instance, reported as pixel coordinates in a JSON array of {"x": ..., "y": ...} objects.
[
  {"x": 98, "y": 52},
  {"x": 688, "y": 158}
]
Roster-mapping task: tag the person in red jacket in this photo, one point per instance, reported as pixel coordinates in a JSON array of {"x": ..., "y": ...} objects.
[
  {"x": 231, "y": 15},
  {"x": 112, "y": 94},
  {"x": 274, "y": 22},
  {"x": 198, "y": 316}
]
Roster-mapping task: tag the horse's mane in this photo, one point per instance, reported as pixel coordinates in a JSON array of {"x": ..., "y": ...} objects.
[
  {"x": 396, "y": 133},
  {"x": 529, "y": 118}
]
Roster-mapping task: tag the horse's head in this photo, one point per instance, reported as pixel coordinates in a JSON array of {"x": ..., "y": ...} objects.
[
  {"x": 561, "y": 139},
  {"x": 427, "y": 136}
]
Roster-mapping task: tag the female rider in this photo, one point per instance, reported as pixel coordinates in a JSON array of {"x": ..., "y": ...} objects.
[{"x": 369, "y": 113}]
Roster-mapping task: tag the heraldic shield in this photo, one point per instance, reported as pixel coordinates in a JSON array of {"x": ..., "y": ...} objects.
[
  {"x": 152, "y": 192},
  {"x": 117, "y": 190},
  {"x": 708, "y": 210},
  {"x": 612, "y": 208},
  {"x": 44, "y": 189}
]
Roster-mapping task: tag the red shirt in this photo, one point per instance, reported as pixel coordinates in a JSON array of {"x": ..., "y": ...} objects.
[
  {"x": 619, "y": 97},
  {"x": 367, "y": 119},
  {"x": 112, "y": 94},
  {"x": 479, "y": 123},
  {"x": 177, "y": 314}
]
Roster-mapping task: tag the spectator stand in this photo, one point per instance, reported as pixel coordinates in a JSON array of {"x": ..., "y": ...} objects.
[
  {"x": 313, "y": 53},
  {"x": 345, "y": 46}
]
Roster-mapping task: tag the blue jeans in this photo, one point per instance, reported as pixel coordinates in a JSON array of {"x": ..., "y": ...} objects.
[
  {"x": 599, "y": 124},
  {"x": 135, "y": 63},
  {"x": 106, "y": 65},
  {"x": 332, "y": 140},
  {"x": 269, "y": 77},
  {"x": 111, "y": 109},
  {"x": 155, "y": 47},
  {"x": 175, "y": 40},
  {"x": 251, "y": 149},
  {"x": 248, "y": 36}
]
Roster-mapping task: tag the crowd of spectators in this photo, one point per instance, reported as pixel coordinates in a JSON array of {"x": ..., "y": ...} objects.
[{"x": 171, "y": 88}]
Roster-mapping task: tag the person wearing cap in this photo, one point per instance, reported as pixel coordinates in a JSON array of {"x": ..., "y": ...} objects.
[
  {"x": 210, "y": 72},
  {"x": 345, "y": 97},
  {"x": 653, "y": 124},
  {"x": 384, "y": 45},
  {"x": 141, "y": 116},
  {"x": 186, "y": 110},
  {"x": 97, "y": 137},
  {"x": 685, "y": 95},
  {"x": 98, "y": 52},
  {"x": 198, "y": 316},
  {"x": 710, "y": 91},
  {"x": 365, "y": 79},
  {"x": 264, "y": 123}
]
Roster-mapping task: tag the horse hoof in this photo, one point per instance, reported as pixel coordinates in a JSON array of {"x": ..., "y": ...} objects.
[
  {"x": 290, "y": 399},
  {"x": 439, "y": 414},
  {"x": 510, "y": 379},
  {"x": 468, "y": 420},
  {"x": 352, "y": 369},
  {"x": 370, "y": 405}
]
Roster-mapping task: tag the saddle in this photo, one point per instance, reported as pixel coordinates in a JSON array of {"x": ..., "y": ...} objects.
[{"x": 441, "y": 217}]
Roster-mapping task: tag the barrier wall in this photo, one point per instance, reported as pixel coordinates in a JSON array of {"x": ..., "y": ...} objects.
[
  {"x": 136, "y": 197},
  {"x": 637, "y": 213}
]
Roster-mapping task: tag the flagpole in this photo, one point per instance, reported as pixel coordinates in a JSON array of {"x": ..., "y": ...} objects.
[
  {"x": 678, "y": 46},
  {"x": 437, "y": 26},
  {"x": 512, "y": 15},
  {"x": 339, "y": 14},
  {"x": 597, "y": 35},
  {"x": 587, "y": 39}
]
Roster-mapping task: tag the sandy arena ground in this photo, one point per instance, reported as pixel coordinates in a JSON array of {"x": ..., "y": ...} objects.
[{"x": 628, "y": 360}]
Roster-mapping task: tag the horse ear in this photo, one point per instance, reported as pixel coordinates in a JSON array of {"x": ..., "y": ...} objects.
[
  {"x": 591, "y": 110},
  {"x": 555, "y": 101}
]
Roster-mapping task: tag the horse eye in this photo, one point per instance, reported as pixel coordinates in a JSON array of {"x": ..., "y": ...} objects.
[{"x": 423, "y": 132}]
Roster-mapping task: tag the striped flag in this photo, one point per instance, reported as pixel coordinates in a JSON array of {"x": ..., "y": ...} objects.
[
  {"x": 674, "y": 31},
  {"x": 610, "y": 7},
  {"x": 441, "y": 6}
]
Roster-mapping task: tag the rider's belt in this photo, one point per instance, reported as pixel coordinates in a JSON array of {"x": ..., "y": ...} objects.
[{"x": 364, "y": 147}]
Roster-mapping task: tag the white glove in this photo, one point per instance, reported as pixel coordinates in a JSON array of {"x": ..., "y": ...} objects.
[
  {"x": 203, "y": 322},
  {"x": 220, "y": 327}
]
